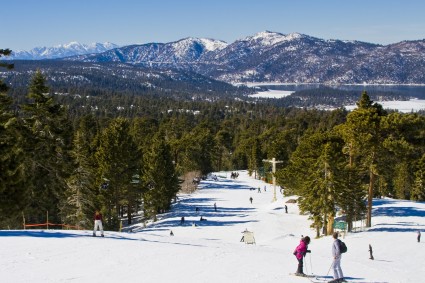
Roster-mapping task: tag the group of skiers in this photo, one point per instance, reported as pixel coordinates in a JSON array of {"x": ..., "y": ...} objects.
[{"x": 302, "y": 249}]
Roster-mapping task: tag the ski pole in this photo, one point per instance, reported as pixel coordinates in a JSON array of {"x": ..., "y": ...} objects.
[
  {"x": 311, "y": 266},
  {"x": 330, "y": 267},
  {"x": 306, "y": 266}
]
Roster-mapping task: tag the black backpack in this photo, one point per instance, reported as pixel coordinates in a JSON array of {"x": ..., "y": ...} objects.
[{"x": 342, "y": 246}]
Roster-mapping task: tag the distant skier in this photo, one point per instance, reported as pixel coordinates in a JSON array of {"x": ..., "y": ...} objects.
[
  {"x": 182, "y": 220},
  {"x": 98, "y": 223},
  {"x": 265, "y": 188},
  {"x": 171, "y": 233},
  {"x": 300, "y": 252},
  {"x": 250, "y": 199},
  {"x": 259, "y": 190},
  {"x": 215, "y": 207},
  {"x": 336, "y": 253},
  {"x": 419, "y": 236},
  {"x": 371, "y": 252},
  {"x": 286, "y": 208}
]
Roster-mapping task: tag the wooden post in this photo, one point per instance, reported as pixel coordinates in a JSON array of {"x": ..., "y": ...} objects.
[{"x": 273, "y": 162}]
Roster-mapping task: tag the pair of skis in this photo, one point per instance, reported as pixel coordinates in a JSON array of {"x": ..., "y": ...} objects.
[
  {"x": 325, "y": 279},
  {"x": 316, "y": 278}
]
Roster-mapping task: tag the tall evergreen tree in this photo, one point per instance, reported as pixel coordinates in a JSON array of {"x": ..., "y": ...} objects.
[
  {"x": 255, "y": 157},
  {"x": 47, "y": 144},
  {"x": 79, "y": 200},
  {"x": 418, "y": 191},
  {"x": 315, "y": 174},
  {"x": 162, "y": 183},
  {"x": 119, "y": 159},
  {"x": 13, "y": 195},
  {"x": 404, "y": 144},
  {"x": 363, "y": 136},
  {"x": 196, "y": 150},
  {"x": 223, "y": 150}
]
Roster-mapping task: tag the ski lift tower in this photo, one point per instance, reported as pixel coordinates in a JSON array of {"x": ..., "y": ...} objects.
[{"x": 273, "y": 161}]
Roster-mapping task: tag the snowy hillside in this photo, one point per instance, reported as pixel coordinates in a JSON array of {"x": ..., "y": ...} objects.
[{"x": 211, "y": 251}]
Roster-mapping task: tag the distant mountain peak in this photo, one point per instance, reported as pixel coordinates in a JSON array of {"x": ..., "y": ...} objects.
[
  {"x": 268, "y": 38},
  {"x": 72, "y": 48},
  {"x": 207, "y": 43},
  {"x": 69, "y": 45}
]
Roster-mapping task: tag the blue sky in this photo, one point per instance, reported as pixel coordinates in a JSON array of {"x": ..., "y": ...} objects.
[{"x": 30, "y": 23}]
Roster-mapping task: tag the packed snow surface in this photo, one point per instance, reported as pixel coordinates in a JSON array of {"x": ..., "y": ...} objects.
[{"x": 212, "y": 251}]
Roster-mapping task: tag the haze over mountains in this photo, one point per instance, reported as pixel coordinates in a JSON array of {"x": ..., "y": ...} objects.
[{"x": 275, "y": 57}]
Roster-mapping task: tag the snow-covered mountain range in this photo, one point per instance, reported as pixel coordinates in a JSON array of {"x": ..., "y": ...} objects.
[
  {"x": 173, "y": 54},
  {"x": 284, "y": 58},
  {"x": 61, "y": 51},
  {"x": 270, "y": 57}
]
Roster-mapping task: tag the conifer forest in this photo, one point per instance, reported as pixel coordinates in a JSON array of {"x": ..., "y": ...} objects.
[{"x": 129, "y": 154}]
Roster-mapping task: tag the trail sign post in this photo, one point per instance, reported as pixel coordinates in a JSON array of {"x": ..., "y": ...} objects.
[{"x": 273, "y": 162}]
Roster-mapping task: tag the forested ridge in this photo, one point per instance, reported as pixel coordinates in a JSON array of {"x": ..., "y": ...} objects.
[{"x": 124, "y": 153}]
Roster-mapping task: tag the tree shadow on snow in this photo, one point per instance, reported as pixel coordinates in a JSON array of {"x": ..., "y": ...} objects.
[
  {"x": 398, "y": 211},
  {"x": 229, "y": 185},
  {"x": 192, "y": 209},
  {"x": 392, "y": 229},
  {"x": 189, "y": 222},
  {"x": 61, "y": 234},
  {"x": 41, "y": 234}
]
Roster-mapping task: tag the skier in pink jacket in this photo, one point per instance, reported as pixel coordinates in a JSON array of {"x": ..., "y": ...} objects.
[{"x": 300, "y": 252}]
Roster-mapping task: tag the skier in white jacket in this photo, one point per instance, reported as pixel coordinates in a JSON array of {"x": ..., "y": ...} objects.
[{"x": 336, "y": 253}]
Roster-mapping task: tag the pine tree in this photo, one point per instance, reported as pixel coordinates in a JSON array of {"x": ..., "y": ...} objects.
[
  {"x": 314, "y": 174},
  {"x": 350, "y": 194},
  {"x": 13, "y": 194},
  {"x": 79, "y": 200},
  {"x": 162, "y": 183},
  {"x": 404, "y": 145},
  {"x": 418, "y": 191},
  {"x": 119, "y": 159},
  {"x": 223, "y": 149},
  {"x": 47, "y": 143},
  {"x": 363, "y": 136},
  {"x": 256, "y": 160}
]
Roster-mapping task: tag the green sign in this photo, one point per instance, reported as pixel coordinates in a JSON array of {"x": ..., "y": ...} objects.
[{"x": 340, "y": 225}]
